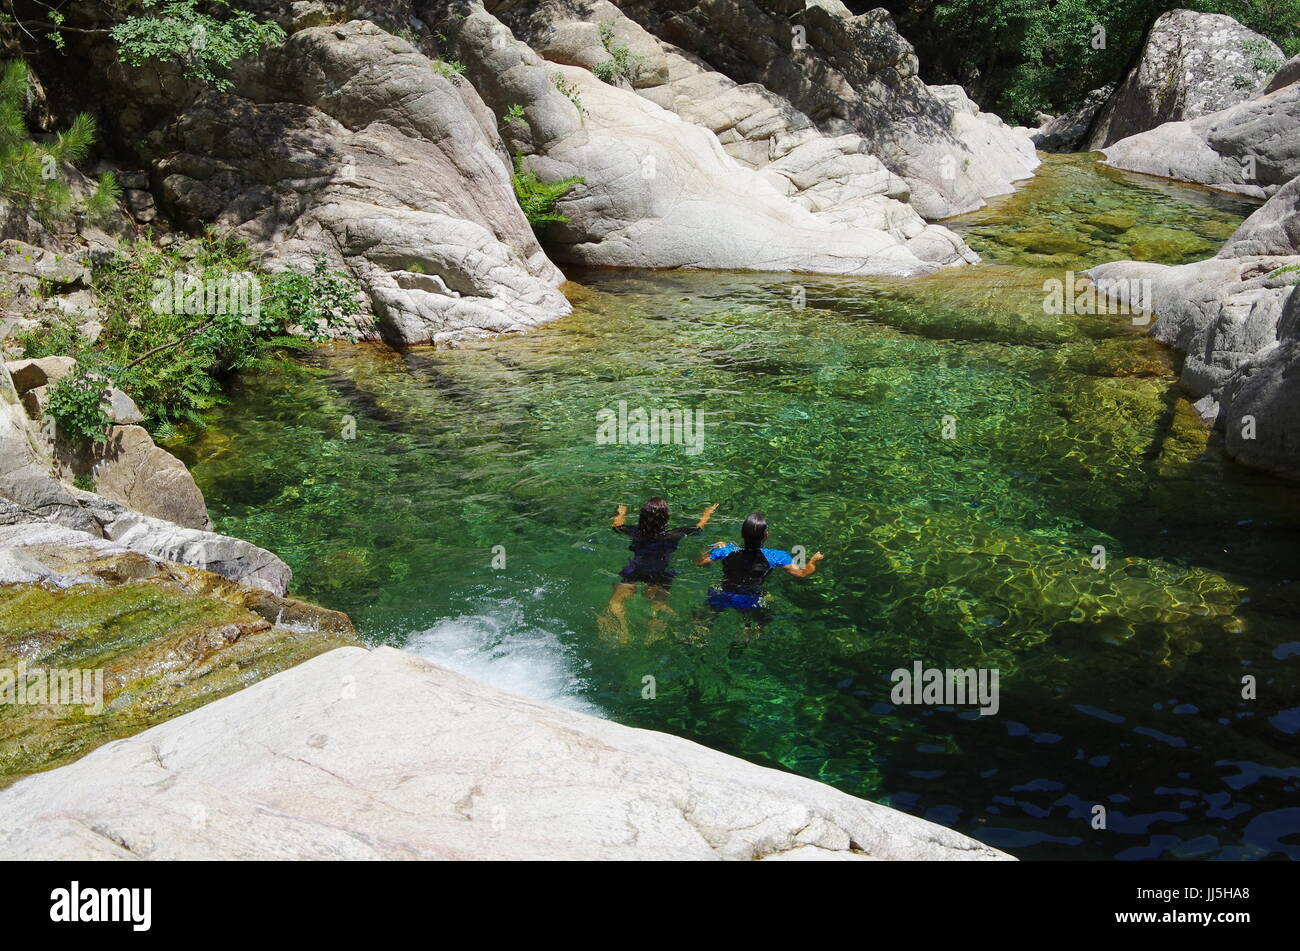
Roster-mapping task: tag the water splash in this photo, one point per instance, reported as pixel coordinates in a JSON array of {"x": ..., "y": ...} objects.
[{"x": 503, "y": 650}]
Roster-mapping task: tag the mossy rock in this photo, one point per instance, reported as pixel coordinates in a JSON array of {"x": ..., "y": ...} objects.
[
  {"x": 1038, "y": 242},
  {"x": 1127, "y": 355},
  {"x": 1112, "y": 222},
  {"x": 1165, "y": 245},
  {"x": 164, "y": 638},
  {"x": 1217, "y": 230}
]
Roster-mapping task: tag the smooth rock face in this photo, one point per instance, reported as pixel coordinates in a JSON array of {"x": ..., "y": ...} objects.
[
  {"x": 129, "y": 469},
  {"x": 658, "y": 192},
  {"x": 1252, "y": 147},
  {"x": 833, "y": 176},
  {"x": 1288, "y": 74},
  {"x": 1273, "y": 229},
  {"x": 1193, "y": 64},
  {"x": 352, "y": 145},
  {"x": 361, "y": 754},
  {"x": 850, "y": 74},
  {"x": 121, "y": 408},
  {"x": 44, "y": 371},
  {"x": 1261, "y": 400}
]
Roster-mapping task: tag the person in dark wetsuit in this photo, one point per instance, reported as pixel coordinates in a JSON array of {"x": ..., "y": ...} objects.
[
  {"x": 745, "y": 569},
  {"x": 652, "y": 546}
]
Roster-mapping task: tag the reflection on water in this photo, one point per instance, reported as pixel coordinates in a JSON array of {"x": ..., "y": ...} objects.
[{"x": 468, "y": 520}]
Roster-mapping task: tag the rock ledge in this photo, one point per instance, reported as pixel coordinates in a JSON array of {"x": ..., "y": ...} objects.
[{"x": 360, "y": 754}]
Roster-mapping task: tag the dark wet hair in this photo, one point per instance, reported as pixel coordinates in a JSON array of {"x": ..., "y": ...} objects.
[
  {"x": 654, "y": 517},
  {"x": 754, "y": 531}
]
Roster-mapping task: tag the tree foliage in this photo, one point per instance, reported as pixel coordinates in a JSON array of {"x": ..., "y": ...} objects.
[
  {"x": 203, "y": 38},
  {"x": 33, "y": 175},
  {"x": 1025, "y": 56}
]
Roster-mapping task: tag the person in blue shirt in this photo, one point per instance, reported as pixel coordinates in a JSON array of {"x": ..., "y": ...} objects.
[
  {"x": 744, "y": 570},
  {"x": 652, "y": 544}
]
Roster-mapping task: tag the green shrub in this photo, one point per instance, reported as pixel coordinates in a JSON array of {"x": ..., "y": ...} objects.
[
  {"x": 172, "y": 362},
  {"x": 570, "y": 91},
  {"x": 313, "y": 303},
  {"x": 538, "y": 198},
  {"x": 623, "y": 65},
  {"x": 513, "y": 114},
  {"x": 76, "y": 403},
  {"x": 1260, "y": 61},
  {"x": 55, "y": 335},
  {"x": 449, "y": 69}
]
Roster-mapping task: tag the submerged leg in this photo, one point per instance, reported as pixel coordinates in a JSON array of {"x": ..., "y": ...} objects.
[
  {"x": 658, "y": 596},
  {"x": 613, "y": 623}
]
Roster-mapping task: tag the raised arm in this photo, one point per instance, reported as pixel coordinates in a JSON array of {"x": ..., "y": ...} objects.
[
  {"x": 807, "y": 569},
  {"x": 704, "y": 559},
  {"x": 706, "y": 515},
  {"x": 620, "y": 518}
]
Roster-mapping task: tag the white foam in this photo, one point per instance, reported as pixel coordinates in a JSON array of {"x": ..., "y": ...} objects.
[{"x": 504, "y": 651}]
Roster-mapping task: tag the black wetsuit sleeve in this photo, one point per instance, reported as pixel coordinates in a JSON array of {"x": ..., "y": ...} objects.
[
  {"x": 625, "y": 529},
  {"x": 677, "y": 534}
]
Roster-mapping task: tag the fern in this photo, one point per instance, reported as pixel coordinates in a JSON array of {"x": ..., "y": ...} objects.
[{"x": 538, "y": 198}]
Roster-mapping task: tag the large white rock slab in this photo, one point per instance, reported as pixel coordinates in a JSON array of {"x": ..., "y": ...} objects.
[
  {"x": 833, "y": 176},
  {"x": 360, "y": 754},
  {"x": 659, "y": 191}
]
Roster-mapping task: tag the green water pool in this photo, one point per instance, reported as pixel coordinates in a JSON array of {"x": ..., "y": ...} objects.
[{"x": 957, "y": 454}]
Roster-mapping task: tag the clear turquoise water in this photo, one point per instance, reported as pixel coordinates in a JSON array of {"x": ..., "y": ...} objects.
[{"x": 1119, "y": 687}]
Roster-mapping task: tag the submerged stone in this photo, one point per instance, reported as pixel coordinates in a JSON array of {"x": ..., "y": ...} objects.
[
  {"x": 1156, "y": 244},
  {"x": 1112, "y": 222},
  {"x": 1044, "y": 243}
]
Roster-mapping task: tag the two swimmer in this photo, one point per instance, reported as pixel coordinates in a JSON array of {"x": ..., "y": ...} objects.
[{"x": 744, "y": 567}]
